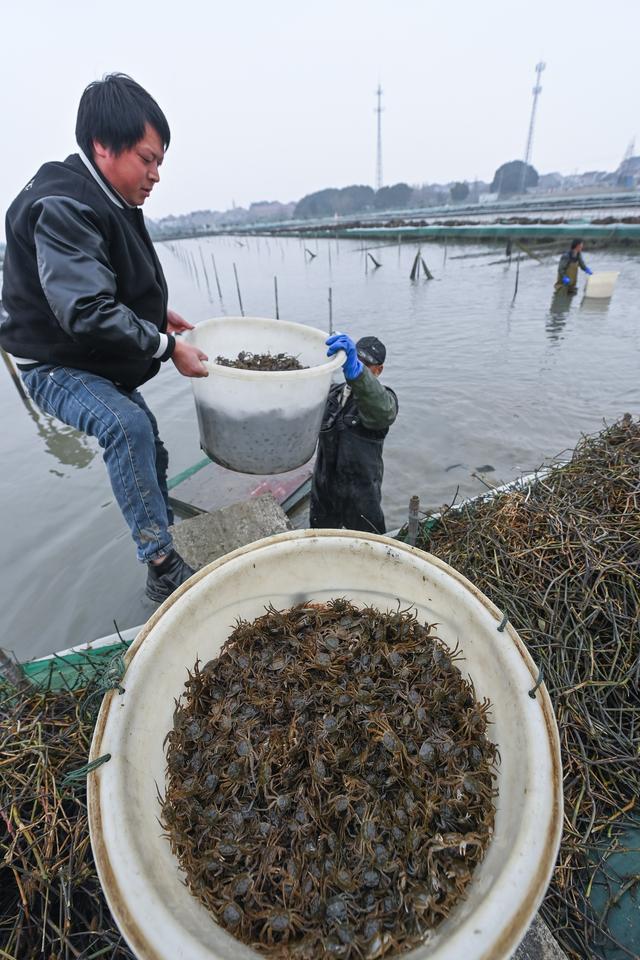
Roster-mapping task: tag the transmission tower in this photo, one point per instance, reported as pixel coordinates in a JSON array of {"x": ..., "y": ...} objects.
[
  {"x": 629, "y": 152},
  {"x": 537, "y": 90},
  {"x": 378, "y": 110}
]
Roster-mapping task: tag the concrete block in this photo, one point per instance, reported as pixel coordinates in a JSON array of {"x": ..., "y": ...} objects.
[
  {"x": 208, "y": 536},
  {"x": 539, "y": 944}
]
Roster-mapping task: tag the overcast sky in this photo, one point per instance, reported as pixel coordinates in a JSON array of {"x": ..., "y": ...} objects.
[{"x": 273, "y": 99}]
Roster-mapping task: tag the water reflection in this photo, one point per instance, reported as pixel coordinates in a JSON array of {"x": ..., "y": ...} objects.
[
  {"x": 68, "y": 446},
  {"x": 557, "y": 317},
  {"x": 596, "y": 306}
]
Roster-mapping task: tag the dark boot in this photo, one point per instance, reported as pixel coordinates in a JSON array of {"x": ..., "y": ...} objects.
[{"x": 163, "y": 578}]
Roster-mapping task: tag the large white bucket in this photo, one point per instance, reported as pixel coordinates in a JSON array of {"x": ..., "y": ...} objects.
[
  {"x": 141, "y": 879},
  {"x": 261, "y": 421},
  {"x": 601, "y": 285}
]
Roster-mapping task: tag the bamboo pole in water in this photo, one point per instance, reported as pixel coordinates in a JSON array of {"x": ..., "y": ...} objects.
[
  {"x": 426, "y": 270},
  {"x": 415, "y": 269},
  {"x": 15, "y": 376},
  {"x": 515, "y": 292},
  {"x": 206, "y": 275},
  {"x": 215, "y": 273},
  {"x": 235, "y": 270}
]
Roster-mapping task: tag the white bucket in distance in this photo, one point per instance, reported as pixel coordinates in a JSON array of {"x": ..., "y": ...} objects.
[
  {"x": 257, "y": 421},
  {"x": 601, "y": 285},
  {"x": 142, "y": 881}
]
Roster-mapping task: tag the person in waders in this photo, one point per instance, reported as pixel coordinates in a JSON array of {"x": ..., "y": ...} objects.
[
  {"x": 88, "y": 318},
  {"x": 568, "y": 268},
  {"x": 346, "y": 489}
]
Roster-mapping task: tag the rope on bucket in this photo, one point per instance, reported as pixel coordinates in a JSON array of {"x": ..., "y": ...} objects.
[
  {"x": 532, "y": 692},
  {"x": 539, "y": 681},
  {"x": 80, "y": 773}
]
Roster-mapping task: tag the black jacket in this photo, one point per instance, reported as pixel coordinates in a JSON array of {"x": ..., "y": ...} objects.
[
  {"x": 346, "y": 489},
  {"x": 83, "y": 286}
]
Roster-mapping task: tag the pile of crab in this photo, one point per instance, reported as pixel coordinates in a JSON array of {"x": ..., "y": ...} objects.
[{"x": 330, "y": 783}]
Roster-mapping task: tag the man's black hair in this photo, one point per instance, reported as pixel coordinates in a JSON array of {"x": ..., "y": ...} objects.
[
  {"x": 575, "y": 243},
  {"x": 114, "y": 111}
]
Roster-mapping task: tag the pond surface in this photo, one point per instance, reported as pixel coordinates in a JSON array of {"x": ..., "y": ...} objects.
[{"x": 488, "y": 385}]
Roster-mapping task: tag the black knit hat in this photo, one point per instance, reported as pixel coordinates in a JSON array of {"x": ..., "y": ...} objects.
[{"x": 371, "y": 351}]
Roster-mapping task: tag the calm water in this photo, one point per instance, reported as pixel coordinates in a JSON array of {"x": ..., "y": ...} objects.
[{"x": 482, "y": 380}]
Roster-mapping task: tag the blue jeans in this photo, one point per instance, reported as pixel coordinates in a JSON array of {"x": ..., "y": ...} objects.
[{"x": 125, "y": 428}]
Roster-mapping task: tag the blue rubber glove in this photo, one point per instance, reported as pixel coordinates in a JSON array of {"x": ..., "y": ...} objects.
[
  {"x": 566, "y": 281},
  {"x": 352, "y": 367},
  {"x": 588, "y": 271}
]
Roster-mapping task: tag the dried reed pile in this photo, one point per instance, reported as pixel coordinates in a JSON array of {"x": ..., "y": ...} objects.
[
  {"x": 51, "y": 903},
  {"x": 562, "y": 559}
]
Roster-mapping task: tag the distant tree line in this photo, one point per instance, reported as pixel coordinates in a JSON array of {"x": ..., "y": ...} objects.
[
  {"x": 325, "y": 203},
  {"x": 355, "y": 199},
  {"x": 459, "y": 192},
  {"x": 512, "y": 177}
]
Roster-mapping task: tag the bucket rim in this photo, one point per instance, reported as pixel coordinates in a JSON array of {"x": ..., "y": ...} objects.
[
  {"x": 330, "y": 365},
  {"x": 496, "y": 943}
]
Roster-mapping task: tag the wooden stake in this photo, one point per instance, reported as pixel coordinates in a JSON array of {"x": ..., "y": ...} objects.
[
  {"x": 426, "y": 270},
  {"x": 330, "y": 312},
  {"x": 215, "y": 272},
  {"x": 517, "y": 277},
  {"x": 195, "y": 269},
  {"x": 275, "y": 287},
  {"x": 15, "y": 376},
  {"x": 416, "y": 267},
  {"x": 206, "y": 276},
  {"x": 238, "y": 289},
  {"x": 414, "y": 517}
]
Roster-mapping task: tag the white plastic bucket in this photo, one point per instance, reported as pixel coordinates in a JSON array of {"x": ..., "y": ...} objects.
[
  {"x": 142, "y": 881},
  {"x": 261, "y": 421},
  {"x": 601, "y": 285}
]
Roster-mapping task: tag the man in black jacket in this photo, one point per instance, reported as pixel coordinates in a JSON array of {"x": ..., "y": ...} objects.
[
  {"x": 346, "y": 489},
  {"x": 88, "y": 320}
]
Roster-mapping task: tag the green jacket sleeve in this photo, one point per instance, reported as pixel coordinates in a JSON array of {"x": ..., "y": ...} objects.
[
  {"x": 581, "y": 263},
  {"x": 377, "y": 404}
]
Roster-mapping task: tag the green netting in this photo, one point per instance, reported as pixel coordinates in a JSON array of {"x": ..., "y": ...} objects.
[
  {"x": 501, "y": 231},
  {"x": 72, "y": 670}
]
